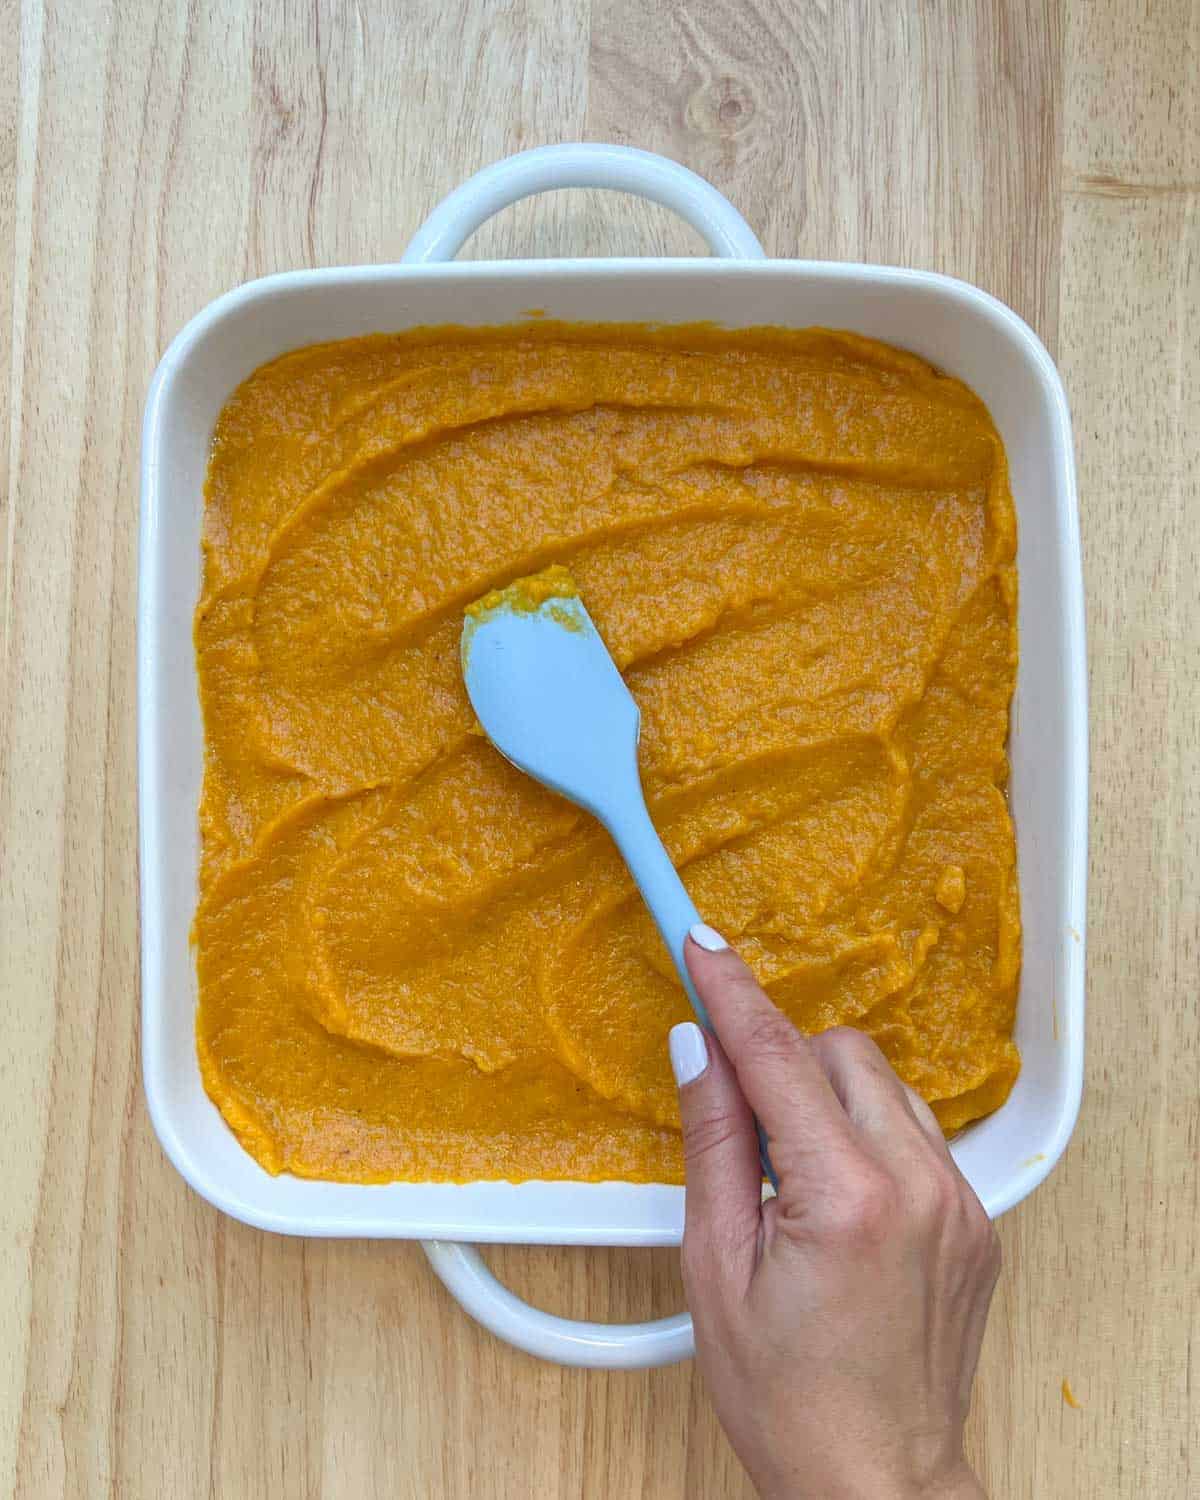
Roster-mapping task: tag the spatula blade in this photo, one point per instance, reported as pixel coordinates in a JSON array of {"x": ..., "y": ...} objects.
[{"x": 549, "y": 695}]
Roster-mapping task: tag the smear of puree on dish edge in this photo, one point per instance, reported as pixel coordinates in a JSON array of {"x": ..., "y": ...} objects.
[{"x": 416, "y": 963}]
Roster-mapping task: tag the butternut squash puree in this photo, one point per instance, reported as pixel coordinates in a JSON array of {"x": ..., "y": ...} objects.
[{"x": 416, "y": 963}]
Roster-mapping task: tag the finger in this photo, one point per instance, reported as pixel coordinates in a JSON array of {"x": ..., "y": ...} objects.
[
  {"x": 863, "y": 1079},
  {"x": 724, "y": 1180},
  {"x": 873, "y": 1095},
  {"x": 925, "y": 1118},
  {"x": 776, "y": 1069}
]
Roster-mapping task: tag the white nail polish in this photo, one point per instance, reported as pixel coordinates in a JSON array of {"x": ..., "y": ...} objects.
[
  {"x": 689, "y": 1052},
  {"x": 707, "y": 938}
]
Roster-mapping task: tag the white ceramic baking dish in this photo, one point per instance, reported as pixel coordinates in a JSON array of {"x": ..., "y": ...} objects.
[{"x": 958, "y": 328}]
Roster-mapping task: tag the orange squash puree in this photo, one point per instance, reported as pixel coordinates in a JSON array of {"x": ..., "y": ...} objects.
[
  {"x": 416, "y": 963},
  {"x": 525, "y": 595}
]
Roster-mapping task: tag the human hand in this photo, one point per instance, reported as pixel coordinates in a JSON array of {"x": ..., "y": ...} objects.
[{"x": 837, "y": 1325}]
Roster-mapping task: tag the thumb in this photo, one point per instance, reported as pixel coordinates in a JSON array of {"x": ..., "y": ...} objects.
[{"x": 723, "y": 1205}]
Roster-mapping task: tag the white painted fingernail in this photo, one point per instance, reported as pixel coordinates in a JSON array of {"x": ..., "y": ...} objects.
[
  {"x": 708, "y": 938},
  {"x": 689, "y": 1052}
]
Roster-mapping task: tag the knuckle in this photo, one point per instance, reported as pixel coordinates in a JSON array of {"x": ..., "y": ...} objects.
[
  {"x": 866, "y": 1210},
  {"x": 975, "y": 1232},
  {"x": 850, "y": 1046},
  {"x": 979, "y": 1225},
  {"x": 988, "y": 1240},
  {"x": 707, "y": 1132},
  {"x": 770, "y": 1034},
  {"x": 937, "y": 1194},
  {"x": 839, "y": 1038}
]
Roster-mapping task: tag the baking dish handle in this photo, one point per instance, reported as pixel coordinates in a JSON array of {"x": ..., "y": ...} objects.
[
  {"x": 583, "y": 165},
  {"x": 663, "y": 1341},
  {"x": 606, "y": 1346}
]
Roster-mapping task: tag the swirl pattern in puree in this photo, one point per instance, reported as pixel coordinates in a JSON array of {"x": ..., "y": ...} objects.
[{"x": 416, "y": 963}]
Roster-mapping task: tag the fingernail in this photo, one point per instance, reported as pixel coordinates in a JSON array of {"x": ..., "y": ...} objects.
[
  {"x": 708, "y": 938},
  {"x": 689, "y": 1052}
]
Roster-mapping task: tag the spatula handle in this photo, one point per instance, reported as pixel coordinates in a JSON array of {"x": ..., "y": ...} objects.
[{"x": 672, "y": 908}]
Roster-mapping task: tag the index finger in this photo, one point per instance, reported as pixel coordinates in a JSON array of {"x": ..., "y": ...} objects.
[{"x": 777, "y": 1070}]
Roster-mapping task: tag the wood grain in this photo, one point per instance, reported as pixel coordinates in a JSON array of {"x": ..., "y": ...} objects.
[{"x": 152, "y": 156}]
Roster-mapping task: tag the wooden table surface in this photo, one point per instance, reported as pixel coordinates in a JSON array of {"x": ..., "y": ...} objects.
[{"x": 152, "y": 156}]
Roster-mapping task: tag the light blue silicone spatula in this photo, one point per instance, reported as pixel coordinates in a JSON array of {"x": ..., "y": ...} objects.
[{"x": 551, "y": 700}]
